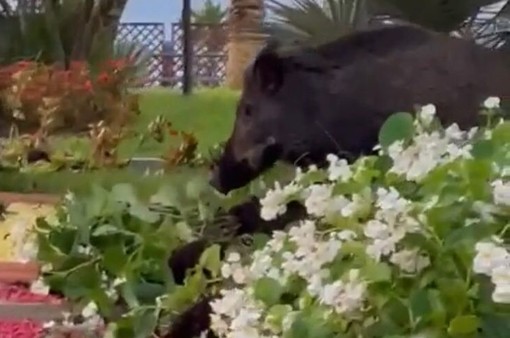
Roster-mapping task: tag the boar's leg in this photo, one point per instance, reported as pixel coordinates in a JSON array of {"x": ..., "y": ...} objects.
[
  {"x": 247, "y": 215},
  {"x": 193, "y": 321}
]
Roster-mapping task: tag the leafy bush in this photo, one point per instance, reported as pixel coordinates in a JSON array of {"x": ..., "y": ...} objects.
[
  {"x": 34, "y": 95},
  {"x": 107, "y": 253},
  {"x": 407, "y": 243}
]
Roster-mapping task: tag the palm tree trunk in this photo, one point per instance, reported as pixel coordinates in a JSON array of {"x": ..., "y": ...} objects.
[{"x": 245, "y": 38}]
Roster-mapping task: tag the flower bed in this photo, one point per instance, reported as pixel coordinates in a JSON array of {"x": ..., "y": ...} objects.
[
  {"x": 410, "y": 243},
  {"x": 48, "y": 97}
]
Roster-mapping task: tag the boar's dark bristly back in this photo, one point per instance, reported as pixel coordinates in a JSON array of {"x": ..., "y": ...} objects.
[{"x": 335, "y": 97}]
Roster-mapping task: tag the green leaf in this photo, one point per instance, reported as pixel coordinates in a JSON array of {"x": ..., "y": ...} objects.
[
  {"x": 97, "y": 201},
  {"x": 453, "y": 293},
  {"x": 196, "y": 186},
  {"x": 310, "y": 326},
  {"x": 419, "y": 302},
  {"x": 143, "y": 213},
  {"x": 184, "y": 231},
  {"x": 438, "y": 314},
  {"x": 483, "y": 149},
  {"x": 127, "y": 290},
  {"x": 105, "y": 230},
  {"x": 167, "y": 195},
  {"x": 462, "y": 325},
  {"x": 501, "y": 133},
  {"x": 377, "y": 271},
  {"x": 260, "y": 240},
  {"x": 495, "y": 326},
  {"x": 210, "y": 259},
  {"x": 145, "y": 323},
  {"x": 114, "y": 258},
  {"x": 397, "y": 127},
  {"x": 82, "y": 282},
  {"x": 268, "y": 290},
  {"x": 471, "y": 233},
  {"x": 148, "y": 292},
  {"x": 124, "y": 192},
  {"x": 277, "y": 313}
]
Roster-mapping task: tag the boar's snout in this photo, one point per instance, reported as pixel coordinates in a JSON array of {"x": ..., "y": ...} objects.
[
  {"x": 235, "y": 169},
  {"x": 226, "y": 175}
]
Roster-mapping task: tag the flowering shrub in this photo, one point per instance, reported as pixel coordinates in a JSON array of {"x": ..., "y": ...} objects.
[
  {"x": 48, "y": 97},
  {"x": 410, "y": 243}
]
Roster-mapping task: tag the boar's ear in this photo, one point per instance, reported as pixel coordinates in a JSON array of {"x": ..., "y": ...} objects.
[{"x": 269, "y": 69}]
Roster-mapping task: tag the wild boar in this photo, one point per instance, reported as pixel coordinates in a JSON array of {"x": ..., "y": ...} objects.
[{"x": 301, "y": 105}]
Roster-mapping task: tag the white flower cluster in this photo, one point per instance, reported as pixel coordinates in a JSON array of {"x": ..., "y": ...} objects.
[
  {"x": 302, "y": 252},
  {"x": 349, "y": 218},
  {"x": 501, "y": 192},
  {"x": 493, "y": 260},
  {"x": 319, "y": 199},
  {"x": 429, "y": 149},
  {"x": 389, "y": 226}
]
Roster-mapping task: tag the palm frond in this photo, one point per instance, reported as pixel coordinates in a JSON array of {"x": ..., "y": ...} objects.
[{"x": 313, "y": 22}]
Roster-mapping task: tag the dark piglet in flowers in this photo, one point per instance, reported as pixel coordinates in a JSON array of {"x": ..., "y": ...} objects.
[{"x": 300, "y": 105}]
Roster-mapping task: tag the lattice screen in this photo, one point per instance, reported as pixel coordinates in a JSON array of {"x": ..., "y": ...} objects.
[
  {"x": 209, "y": 54},
  {"x": 152, "y": 36}
]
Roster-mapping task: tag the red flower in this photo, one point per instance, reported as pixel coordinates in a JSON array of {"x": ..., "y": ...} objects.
[
  {"x": 118, "y": 64},
  {"x": 88, "y": 86},
  {"x": 103, "y": 78},
  {"x": 77, "y": 66}
]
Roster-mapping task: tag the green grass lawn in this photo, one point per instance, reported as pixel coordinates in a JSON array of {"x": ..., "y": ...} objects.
[{"x": 208, "y": 113}]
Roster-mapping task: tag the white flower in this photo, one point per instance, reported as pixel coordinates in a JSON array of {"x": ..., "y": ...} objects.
[
  {"x": 455, "y": 152},
  {"x": 84, "y": 249},
  {"x": 389, "y": 199},
  {"x": 344, "y": 297},
  {"x": 501, "y": 293},
  {"x": 426, "y": 152},
  {"x": 239, "y": 275},
  {"x": 381, "y": 247},
  {"x": 274, "y": 203},
  {"x": 488, "y": 257},
  {"x": 234, "y": 257},
  {"x": 427, "y": 113},
  {"x": 39, "y": 287},
  {"x": 376, "y": 229},
  {"x": 46, "y": 267},
  {"x": 492, "y": 102},
  {"x": 501, "y": 274},
  {"x": 410, "y": 261},
  {"x": 338, "y": 169},
  {"x": 501, "y": 280},
  {"x": 472, "y": 132},
  {"x": 346, "y": 235},
  {"x": 49, "y": 325},
  {"x": 89, "y": 310},
  {"x": 331, "y": 292},
  {"x": 119, "y": 281},
  {"x": 317, "y": 200},
  {"x": 453, "y": 132},
  {"x": 501, "y": 192}
]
